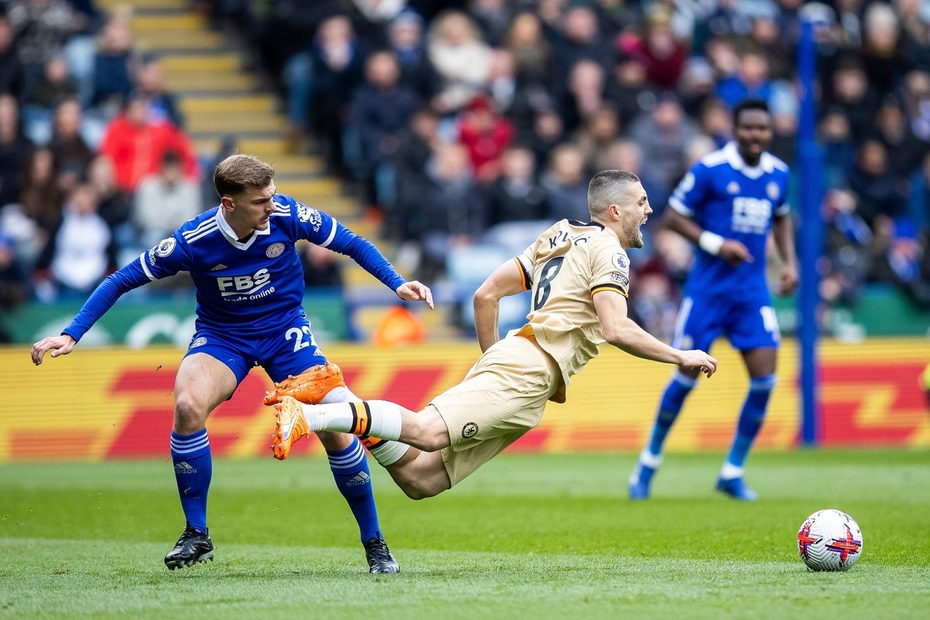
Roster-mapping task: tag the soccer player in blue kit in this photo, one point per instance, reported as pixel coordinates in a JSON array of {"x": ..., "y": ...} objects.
[
  {"x": 250, "y": 287},
  {"x": 726, "y": 204}
]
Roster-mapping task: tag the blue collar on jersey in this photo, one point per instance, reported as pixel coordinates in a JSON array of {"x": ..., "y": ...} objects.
[
  {"x": 231, "y": 235},
  {"x": 736, "y": 161}
]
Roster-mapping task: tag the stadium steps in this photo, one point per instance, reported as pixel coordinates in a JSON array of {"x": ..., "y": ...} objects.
[{"x": 219, "y": 98}]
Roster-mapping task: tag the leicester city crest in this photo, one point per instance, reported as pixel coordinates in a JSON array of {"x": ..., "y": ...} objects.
[
  {"x": 274, "y": 250},
  {"x": 772, "y": 190}
]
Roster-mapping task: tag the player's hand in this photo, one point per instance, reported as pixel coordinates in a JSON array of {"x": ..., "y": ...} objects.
[
  {"x": 734, "y": 252},
  {"x": 416, "y": 291},
  {"x": 788, "y": 281},
  {"x": 59, "y": 345},
  {"x": 699, "y": 359}
]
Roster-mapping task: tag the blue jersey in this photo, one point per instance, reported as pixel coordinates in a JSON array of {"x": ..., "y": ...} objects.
[
  {"x": 249, "y": 287},
  {"x": 727, "y": 197}
]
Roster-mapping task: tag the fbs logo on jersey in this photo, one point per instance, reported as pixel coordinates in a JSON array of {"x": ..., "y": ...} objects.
[{"x": 239, "y": 288}]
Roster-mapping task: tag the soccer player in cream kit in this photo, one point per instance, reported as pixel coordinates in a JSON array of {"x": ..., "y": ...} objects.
[
  {"x": 249, "y": 282},
  {"x": 727, "y": 203}
]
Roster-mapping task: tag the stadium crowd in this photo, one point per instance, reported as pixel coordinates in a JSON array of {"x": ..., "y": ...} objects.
[{"x": 465, "y": 123}]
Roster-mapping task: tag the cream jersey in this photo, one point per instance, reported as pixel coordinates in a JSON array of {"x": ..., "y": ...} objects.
[{"x": 564, "y": 268}]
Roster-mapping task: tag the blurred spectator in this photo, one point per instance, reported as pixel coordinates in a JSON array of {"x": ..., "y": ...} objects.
[
  {"x": 596, "y": 138},
  {"x": 548, "y": 132},
  {"x": 163, "y": 106},
  {"x": 774, "y": 47},
  {"x": 80, "y": 251},
  {"x": 502, "y": 85},
  {"x": 493, "y": 19},
  {"x": 136, "y": 145},
  {"x": 905, "y": 150},
  {"x": 380, "y": 111},
  {"x": 532, "y": 54},
  {"x": 629, "y": 90},
  {"x": 846, "y": 251},
  {"x": 881, "y": 47},
  {"x": 626, "y": 155},
  {"x": 320, "y": 267},
  {"x": 448, "y": 212},
  {"x": 874, "y": 184},
  {"x": 662, "y": 136},
  {"x": 485, "y": 134},
  {"x": 338, "y": 58},
  {"x": 839, "y": 150},
  {"x": 12, "y": 74},
  {"x": 696, "y": 86},
  {"x": 164, "y": 201},
  {"x": 414, "y": 152},
  {"x": 115, "y": 206},
  {"x": 14, "y": 283},
  {"x": 851, "y": 92},
  {"x": 14, "y": 148},
  {"x": 663, "y": 56},
  {"x": 585, "y": 94},
  {"x": 113, "y": 66},
  {"x": 901, "y": 258},
  {"x": 39, "y": 194},
  {"x": 40, "y": 100},
  {"x": 405, "y": 39},
  {"x": 752, "y": 80},
  {"x": 42, "y": 28},
  {"x": 917, "y": 102},
  {"x": 714, "y": 121},
  {"x": 566, "y": 185},
  {"x": 581, "y": 40},
  {"x": 462, "y": 59},
  {"x": 515, "y": 195},
  {"x": 71, "y": 154}
]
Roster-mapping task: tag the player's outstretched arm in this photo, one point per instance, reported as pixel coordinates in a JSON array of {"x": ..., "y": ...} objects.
[
  {"x": 415, "y": 291},
  {"x": 506, "y": 280},
  {"x": 729, "y": 250},
  {"x": 626, "y": 335},
  {"x": 58, "y": 345}
]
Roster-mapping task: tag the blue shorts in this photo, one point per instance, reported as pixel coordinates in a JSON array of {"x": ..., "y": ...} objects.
[
  {"x": 749, "y": 324},
  {"x": 289, "y": 350}
]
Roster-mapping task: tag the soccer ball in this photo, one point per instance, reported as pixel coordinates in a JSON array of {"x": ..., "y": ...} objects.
[{"x": 830, "y": 540}]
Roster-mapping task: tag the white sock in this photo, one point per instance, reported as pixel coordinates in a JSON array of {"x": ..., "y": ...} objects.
[
  {"x": 378, "y": 418},
  {"x": 389, "y": 452},
  {"x": 386, "y": 452},
  {"x": 385, "y": 419},
  {"x": 649, "y": 459},
  {"x": 730, "y": 471}
]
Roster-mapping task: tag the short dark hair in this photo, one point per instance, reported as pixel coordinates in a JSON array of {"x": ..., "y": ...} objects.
[
  {"x": 750, "y": 103},
  {"x": 606, "y": 187}
]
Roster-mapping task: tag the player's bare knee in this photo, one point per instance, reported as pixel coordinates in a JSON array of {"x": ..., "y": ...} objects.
[{"x": 189, "y": 414}]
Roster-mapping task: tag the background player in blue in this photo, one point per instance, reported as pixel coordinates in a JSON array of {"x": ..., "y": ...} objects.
[
  {"x": 249, "y": 284},
  {"x": 726, "y": 204}
]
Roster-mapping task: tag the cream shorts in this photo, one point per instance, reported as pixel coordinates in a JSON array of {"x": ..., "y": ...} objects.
[{"x": 501, "y": 398}]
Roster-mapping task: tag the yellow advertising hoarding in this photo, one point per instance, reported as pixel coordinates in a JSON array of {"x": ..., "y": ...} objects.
[{"x": 117, "y": 403}]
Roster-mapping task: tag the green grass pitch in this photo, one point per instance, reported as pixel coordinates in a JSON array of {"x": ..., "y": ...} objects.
[{"x": 526, "y": 537}]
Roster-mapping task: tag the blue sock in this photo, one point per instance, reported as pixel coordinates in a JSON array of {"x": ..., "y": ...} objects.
[
  {"x": 193, "y": 469},
  {"x": 669, "y": 408},
  {"x": 751, "y": 418},
  {"x": 353, "y": 479}
]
